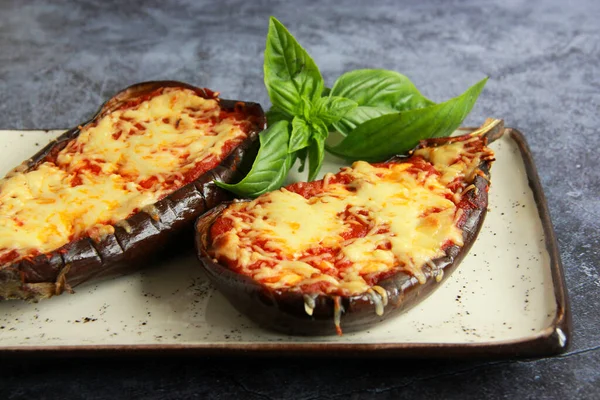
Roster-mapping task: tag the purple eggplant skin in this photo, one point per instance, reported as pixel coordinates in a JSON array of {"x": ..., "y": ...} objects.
[
  {"x": 284, "y": 311},
  {"x": 144, "y": 236}
]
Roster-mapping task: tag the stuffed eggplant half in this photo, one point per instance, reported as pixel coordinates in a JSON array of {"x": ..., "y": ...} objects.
[
  {"x": 356, "y": 247},
  {"x": 113, "y": 193}
]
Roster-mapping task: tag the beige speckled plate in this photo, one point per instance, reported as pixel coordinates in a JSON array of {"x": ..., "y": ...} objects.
[{"x": 507, "y": 298}]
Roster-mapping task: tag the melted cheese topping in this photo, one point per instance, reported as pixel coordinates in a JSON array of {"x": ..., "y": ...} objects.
[
  {"x": 129, "y": 159},
  {"x": 406, "y": 211}
]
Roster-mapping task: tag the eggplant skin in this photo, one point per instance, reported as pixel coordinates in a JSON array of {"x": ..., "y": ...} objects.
[
  {"x": 284, "y": 311},
  {"x": 142, "y": 237}
]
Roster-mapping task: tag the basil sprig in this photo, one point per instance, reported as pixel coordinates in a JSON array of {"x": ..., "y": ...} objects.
[
  {"x": 381, "y": 113},
  {"x": 300, "y": 119}
]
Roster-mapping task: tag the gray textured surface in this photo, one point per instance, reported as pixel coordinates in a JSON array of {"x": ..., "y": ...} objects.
[{"x": 59, "y": 61}]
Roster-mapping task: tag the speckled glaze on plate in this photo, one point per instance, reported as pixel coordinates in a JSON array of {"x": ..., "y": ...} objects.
[{"x": 507, "y": 298}]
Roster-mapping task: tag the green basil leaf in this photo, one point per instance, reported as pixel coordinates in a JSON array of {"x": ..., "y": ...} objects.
[
  {"x": 275, "y": 114},
  {"x": 332, "y": 109},
  {"x": 271, "y": 165},
  {"x": 326, "y": 91},
  {"x": 300, "y": 135},
  {"x": 359, "y": 115},
  {"x": 387, "y": 135},
  {"x": 283, "y": 173},
  {"x": 380, "y": 88},
  {"x": 290, "y": 73},
  {"x": 279, "y": 179},
  {"x": 319, "y": 129},
  {"x": 305, "y": 109},
  {"x": 316, "y": 154}
]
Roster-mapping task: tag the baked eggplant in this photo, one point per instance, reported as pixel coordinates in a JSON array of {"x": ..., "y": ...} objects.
[
  {"x": 354, "y": 248},
  {"x": 157, "y": 148}
]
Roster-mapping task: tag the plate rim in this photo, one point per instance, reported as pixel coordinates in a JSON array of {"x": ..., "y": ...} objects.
[{"x": 552, "y": 340}]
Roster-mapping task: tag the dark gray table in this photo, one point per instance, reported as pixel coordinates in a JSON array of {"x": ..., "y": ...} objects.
[{"x": 59, "y": 61}]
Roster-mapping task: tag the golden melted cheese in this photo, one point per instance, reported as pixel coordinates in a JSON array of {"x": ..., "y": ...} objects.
[
  {"x": 280, "y": 237},
  {"x": 129, "y": 159}
]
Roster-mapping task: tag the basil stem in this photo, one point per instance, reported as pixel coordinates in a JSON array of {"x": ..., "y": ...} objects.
[{"x": 316, "y": 154}]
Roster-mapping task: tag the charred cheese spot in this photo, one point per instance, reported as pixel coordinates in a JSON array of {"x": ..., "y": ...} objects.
[
  {"x": 127, "y": 160},
  {"x": 358, "y": 226}
]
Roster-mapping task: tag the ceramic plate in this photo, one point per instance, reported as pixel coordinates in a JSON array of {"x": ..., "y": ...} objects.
[{"x": 507, "y": 298}]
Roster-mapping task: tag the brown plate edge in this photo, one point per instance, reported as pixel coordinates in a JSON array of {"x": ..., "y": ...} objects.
[
  {"x": 554, "y": 339},
  {"x": 559, "y": 338}
]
